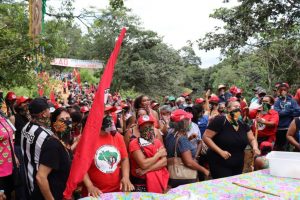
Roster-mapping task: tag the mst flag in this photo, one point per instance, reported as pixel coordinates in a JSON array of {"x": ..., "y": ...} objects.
[{"x": 87, "y": 146}]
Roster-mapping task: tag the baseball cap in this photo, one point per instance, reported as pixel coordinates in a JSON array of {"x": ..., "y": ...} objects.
[
  {"x": 256, "y": 89},
  {"x": 214, "y": 99},
  {"x": 171, "y": 98},
  {"x": 22, "y": 99},
  {"x": 261, "y": 91},
  {"x": 38, "y": 105},
  {"x": 11, "y": 96},
  {"x": 179, "y": 115},
  {"x": 144, "y": 119},
  {"x": 221, "y": 86},
  {"x": 199, "y": 100}
]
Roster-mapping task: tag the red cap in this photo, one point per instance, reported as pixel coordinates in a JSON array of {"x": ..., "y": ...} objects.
[
  {"x": 199, "y": 100},
  {"x": 233, "y": 89},
  {"x": 286, "y": 85},
  {"x": 11, "y": 96},
  {"x": 110, "y": 108},
  {"x": 144, "y": 119},
  {"x": 265, "y": 144},
  {"x": 124, "y": 105},
  {"x": 84, "y": 109},
  {"x": 214, "y": 99},
  {"x": 179, "y": 115},
  {"x": 22, "y": 99},
  {"x": 231, "y": 99}
]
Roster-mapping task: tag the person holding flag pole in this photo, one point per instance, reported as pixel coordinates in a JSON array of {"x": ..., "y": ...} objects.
[{"x": 105, "y": 161}]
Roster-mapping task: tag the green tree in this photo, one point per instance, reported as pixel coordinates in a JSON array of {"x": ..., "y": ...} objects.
[{"x": 16, "y": 53}]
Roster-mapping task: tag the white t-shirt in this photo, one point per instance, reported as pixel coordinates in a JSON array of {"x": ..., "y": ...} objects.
[{"x": 194, "y": 131}]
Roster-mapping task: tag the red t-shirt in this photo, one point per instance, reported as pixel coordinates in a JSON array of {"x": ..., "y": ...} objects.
[
  {"x": 263, "y": 130},
  {"x": 134, "y": 146},
  {"x": 105, "y": 172}
]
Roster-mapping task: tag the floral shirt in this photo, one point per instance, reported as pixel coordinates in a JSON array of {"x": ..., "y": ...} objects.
[{"x": 6, "y": 164}]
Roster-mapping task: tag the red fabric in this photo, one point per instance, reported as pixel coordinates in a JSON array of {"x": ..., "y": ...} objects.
[
  {"x": 76, "y": 74},
  {"x": 112, "y": 180},
  {"x": 52, "y": 97},
  {"x": 87, "y": 146},
  {"x": 243, "y": 106},
  {"x": 297, "y": 96},
  {"x": 265, "y": 131},
  {"x": 157, "y": 181}
]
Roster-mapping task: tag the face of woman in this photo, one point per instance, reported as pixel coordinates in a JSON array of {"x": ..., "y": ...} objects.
[
  {"x": 165, "y": 115},
  {"x": 142, "y": 112},
  {"x": 145, "y": 102},
  {"x": 63, "y": 116},
  {"x": 234, "y": 105}
]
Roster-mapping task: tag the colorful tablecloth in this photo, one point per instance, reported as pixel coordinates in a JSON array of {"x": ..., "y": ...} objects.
[{"x": 223, "y": 189}]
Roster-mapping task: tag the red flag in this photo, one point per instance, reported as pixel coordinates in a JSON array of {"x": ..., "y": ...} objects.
[
  {"x": 76, "y": 74},
  {"x": 87, "y": 146},
  {"x": 52, "y": 96}
]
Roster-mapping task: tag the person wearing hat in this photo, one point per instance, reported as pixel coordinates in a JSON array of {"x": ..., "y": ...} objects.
[
  {"x": 256, "y": 101},
  {"x": 33, "y": 136},
  {"x": 110, "y": 170},
  {"x": 261, "y": 161},
  {"x": 227, "y": 137},
  {"x": 266, "y": 120},
  {"x": 223, "y": 94},
  {"x": 256, "y": 97},
  {"x": 171, "y": 101},
  {"x": 287, "y": 109},
  {"x": 148, "y": 159},
  {"x": 177, "y": 136},
  {"x": 22, "y": 117}
]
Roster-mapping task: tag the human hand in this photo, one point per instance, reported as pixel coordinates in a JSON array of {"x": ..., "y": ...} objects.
[
  {"x": 17, "y": 161},
  {"x": 256, "y": 152},
  {"x": 161, "y": 152},
  {"x": 2, "y": 195},
  {"x": 208, "y": 93},
  {"x": 94, "y": 191},
  {"x": 140, "y": 172},
  {"x": 260, "y": 120},
  {"x": 225, "y": 154},
  {"x": 126, "y": 185},
  {"x": 206, "y": 173}
]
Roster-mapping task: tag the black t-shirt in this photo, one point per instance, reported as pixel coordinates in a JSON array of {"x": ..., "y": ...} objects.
[
  {"x": 20, "y": 122},
  {"x": 228, "y": 139},
  {"x": 55, "y": 156}
]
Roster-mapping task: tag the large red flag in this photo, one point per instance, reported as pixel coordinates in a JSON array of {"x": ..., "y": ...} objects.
[{"x": 87, "y": 146}]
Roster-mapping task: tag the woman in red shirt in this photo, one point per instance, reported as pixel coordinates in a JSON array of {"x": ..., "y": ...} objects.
[
  {"x": 267, "y": 120},
  {"x": 148, "y": 159}
]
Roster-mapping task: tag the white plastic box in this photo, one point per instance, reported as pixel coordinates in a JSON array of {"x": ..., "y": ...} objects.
[{"x": 284, "y": 164}]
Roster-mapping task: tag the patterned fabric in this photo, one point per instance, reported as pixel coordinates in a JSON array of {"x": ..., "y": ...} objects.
[
  {"x": 6, "y": 164},
  {"x": 223, "y": 189}
]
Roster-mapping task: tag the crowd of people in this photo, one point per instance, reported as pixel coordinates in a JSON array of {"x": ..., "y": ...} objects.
[{"x": 145, "y": 145}]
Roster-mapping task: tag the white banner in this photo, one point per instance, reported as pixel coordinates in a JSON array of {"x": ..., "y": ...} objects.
[{"x": 66, "y": 62}]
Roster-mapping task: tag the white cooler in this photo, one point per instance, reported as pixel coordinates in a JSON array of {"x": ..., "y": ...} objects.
[{"x": 284, "y": 164}]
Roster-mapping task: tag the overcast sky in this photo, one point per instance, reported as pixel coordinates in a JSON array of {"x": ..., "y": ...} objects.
[{"x": 175, "y": 20}]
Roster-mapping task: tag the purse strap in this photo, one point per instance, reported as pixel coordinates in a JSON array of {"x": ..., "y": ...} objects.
[
  {"x": 10, "y": 144},
  {"x": 176, "y": 144}
]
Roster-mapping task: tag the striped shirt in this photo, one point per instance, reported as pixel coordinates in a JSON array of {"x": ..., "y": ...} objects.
[{"x": 32, "y": 139}]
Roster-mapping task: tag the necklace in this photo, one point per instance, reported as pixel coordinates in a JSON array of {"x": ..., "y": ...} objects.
[{"x": 235, "y": 126}]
